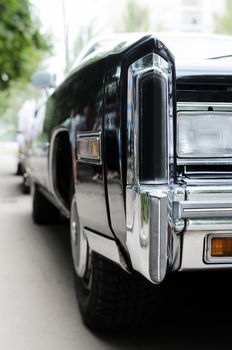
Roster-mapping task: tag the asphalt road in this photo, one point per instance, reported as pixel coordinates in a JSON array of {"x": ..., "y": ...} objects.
[{"x": 38, "y": 309}]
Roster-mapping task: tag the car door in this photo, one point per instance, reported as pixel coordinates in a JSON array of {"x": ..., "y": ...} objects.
[{"x": 87, "y": 135}]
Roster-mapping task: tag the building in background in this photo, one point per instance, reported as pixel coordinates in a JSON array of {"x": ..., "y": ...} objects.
[
  {"x": 167, "y": 15},
  {"x": 187, "y": 15}
]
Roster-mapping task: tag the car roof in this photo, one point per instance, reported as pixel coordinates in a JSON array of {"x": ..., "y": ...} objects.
[{"x": 183, "y": 45}]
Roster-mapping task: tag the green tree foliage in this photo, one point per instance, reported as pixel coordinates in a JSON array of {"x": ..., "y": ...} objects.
[
  {"x": 224, "y": 23},
  {"x": 136, "y": 18},
  {"x": 22, "y": 47},
  {"x": 21, "y": 44}
]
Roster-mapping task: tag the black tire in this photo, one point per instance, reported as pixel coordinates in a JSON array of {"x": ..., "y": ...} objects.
[
  {"x": 111, "y": 299},
  {"x": 43, "y": 211},
  {"x": 20, "y": 169},
  {"x": 26, "y": 188}
]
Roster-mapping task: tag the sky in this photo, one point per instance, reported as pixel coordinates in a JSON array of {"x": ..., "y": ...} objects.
[
  {"x": 104, "y": 14},
  {"x": 77, "y": 12}
]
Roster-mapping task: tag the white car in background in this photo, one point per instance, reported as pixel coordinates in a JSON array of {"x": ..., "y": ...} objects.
[
  {"x": 28, "y": 122},
  {"x": 24, "y": 124}
]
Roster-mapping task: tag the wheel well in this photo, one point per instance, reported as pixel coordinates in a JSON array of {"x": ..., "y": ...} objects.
[{"x": 62, "y": 167}]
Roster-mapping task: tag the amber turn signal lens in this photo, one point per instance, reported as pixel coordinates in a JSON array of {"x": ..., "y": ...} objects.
[{"x": 221, "y": 246}]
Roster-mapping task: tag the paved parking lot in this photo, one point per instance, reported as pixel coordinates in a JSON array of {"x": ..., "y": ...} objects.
[{"x": 38, "y": 309}]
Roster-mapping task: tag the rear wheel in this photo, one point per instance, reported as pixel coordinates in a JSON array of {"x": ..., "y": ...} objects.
[
  {"x": 109, "y": 298},
  {"x": 43, "y": 211},
  {"x": 19, "y": 170},
  {"x": 26, "y": 188}
]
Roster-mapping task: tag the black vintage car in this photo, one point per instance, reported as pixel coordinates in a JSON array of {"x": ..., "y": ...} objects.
[{"x": 137, "y": 151}]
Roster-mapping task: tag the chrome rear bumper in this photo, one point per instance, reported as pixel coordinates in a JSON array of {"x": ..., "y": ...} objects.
[
  {"x": 168, "y": 228},
  {"x": 206, "y": 211}
]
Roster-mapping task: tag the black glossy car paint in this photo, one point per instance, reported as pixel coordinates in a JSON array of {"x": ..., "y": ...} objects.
[{"x": 93, "y": 98}]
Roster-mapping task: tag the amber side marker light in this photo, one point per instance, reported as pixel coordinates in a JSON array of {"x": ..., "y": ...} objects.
[{"x": 221, "y": 246}]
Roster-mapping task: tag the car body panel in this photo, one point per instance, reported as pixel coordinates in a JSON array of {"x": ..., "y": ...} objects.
[{"x": 129, "y": 183}]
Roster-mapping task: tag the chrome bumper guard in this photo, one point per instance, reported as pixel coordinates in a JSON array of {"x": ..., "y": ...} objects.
[
  {"x": 147, "y": 227},
  {"x": 195, "y": 209}
]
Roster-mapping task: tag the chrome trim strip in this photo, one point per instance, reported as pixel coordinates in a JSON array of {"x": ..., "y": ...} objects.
[
  {"x": 89, "y": 147},
  {"x": 52, "y": 188},
  {"x": 209, "y": 224},
  {"x": 203, "y": 209},
  {"x": 217, "y": 192},
  {"x": 207, "y": 256},
  {"x": 185, "y": 210},
  {"x": 213, "y": 161},
  {"x": 106, "y": 247},
  {"x": 203, "y": 106},
  {"x": 206, "y": 182}
]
